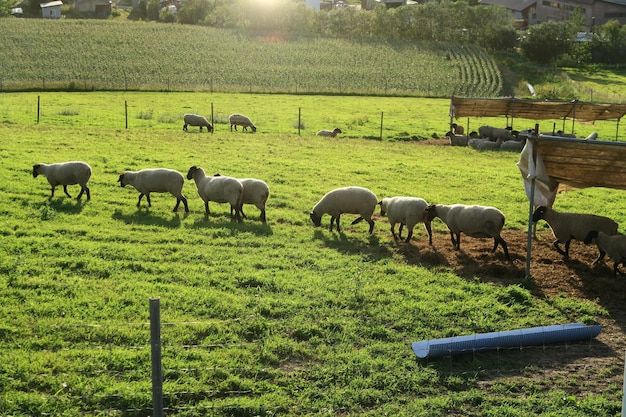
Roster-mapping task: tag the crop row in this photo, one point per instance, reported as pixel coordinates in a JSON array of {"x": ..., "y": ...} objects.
[{"x": 94, "y": 55}]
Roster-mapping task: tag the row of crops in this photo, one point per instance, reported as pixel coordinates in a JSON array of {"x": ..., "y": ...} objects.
[{"x": 110, "y": 55}]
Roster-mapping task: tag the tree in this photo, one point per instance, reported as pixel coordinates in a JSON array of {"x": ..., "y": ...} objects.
[
  {"x": 547, "y": 41},
  {"x": 193, "y": 11}
]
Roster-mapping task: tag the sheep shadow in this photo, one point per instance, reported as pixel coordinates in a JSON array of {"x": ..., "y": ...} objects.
[
  {"x": 223, "y": 221},
  {"x": 145, "y": 217},
  {"x": 352, "y": 243},
  {"x": 61, "y": 204}
]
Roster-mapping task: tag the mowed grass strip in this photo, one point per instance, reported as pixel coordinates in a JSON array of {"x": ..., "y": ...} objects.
[{"x": 276, "y": 318}]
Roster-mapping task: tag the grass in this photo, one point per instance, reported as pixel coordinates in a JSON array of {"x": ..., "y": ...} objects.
[{"x": 258, "y": 319}]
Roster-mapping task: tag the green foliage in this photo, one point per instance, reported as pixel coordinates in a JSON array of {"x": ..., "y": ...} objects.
[
  {"x": 545, "y": 42},
  {"x": 193, "y": 11},
  {"x": 260, "y": 319}
]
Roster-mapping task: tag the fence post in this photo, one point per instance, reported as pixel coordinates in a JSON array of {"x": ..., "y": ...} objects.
[
  {"x": 157, "y": 371},
  {"x": 126, "y": 112},
  {"x": 299, "y": 119},
  {"x": 381, "y": 125},
  {"x": 38, "y": 108}
]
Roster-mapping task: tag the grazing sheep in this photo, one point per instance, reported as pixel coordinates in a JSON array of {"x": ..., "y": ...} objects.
[
  {"x": 66, "y": 173},
  {"x": 330, "y": 133},
  {"x": 255, "y": 192},
  {"x": 408, "y": 211},
  {"x": 197, "y": 120},
  {"x": 241, "y": 120},
  {"x": 569, "y": 226},
  {"x": 612, "y": 245},
  {"x": 457, "y": 140},
  {"x": 156, "y": 180},
  {"x": 221, "y": 189},
  {"x": 474, "y": 221},
  {"x": 353, "y": 200}
]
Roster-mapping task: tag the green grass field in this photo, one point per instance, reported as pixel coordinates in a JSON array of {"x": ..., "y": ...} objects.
[{"x": 275, "y": 319}]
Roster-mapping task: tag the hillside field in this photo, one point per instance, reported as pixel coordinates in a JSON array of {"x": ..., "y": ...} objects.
[{"x": 282, "y": 318}]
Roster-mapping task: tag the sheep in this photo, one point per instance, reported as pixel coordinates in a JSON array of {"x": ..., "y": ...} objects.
[
  {"x": 568, "y": 226},
  {"x": 353, "y": 200},
  {"x": 330, "y": 133},
  {"x": 494, "y": 133},
  {"x": 612, "y": 245},
  {"x": 477, "y": 142},
  {"x": 513, "y": 145},
  {"x": 241, "y": 120},
  {"x": 156, "y": 180},
  {"x": 255, "y": 192},
  {"x": 197, "y": 120},
  {"x": 66, "y": 173},
  {"x": 457, "y": 140},
  {"x": 407, "y": 211},
  {"x": 221, "y": 189},
  {"x": 490, "y": 145},
  {"x": 474, "y": 221},
  {"x": 457, "y": 129}
]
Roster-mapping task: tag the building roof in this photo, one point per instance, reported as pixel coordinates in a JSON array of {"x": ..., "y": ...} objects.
[
  {"x": 535, "y": 109},
  {"x": 51, "y": 4}
]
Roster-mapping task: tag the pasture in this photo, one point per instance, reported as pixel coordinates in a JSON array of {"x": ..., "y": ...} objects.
[{"x": 281, "y": 318}]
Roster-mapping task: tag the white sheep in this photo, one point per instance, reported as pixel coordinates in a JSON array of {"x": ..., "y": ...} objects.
[
  {"x": 241, "y": 120},
  {"x": 196, "y": 120},
  {"x": 572, "y": 226},
  {"x": 495, "y": 133},
  {"x": 612, "y": 245},
  {"x": 255, "y": 191},
  {"x": 220, "y": 189},
  {"x": 490, "y": 145},
  {"x": 475, "y": 143},
  {"x": 513, "y": 145},
  {"x": 330, "y": 133},
  {"x": 156, "y": 180},
  {"x": 408, "y": 211},
  {"x": 474, "y": 221},
  {"x": 457, "y": 140},
  {"x": 352, "y": 200},
  {"x": 65, "y": 173}
]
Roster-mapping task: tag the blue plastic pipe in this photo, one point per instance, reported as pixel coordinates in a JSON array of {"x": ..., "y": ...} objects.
[{"x": 535, "y": 336}]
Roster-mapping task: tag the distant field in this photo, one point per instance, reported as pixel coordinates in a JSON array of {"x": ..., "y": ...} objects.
[{"x": 112, "y": 55}]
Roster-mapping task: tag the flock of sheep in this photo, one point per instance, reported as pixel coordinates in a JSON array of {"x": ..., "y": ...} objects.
[
  {"x": 235, "y": 120},
  {"x": 473, "y": 220}
]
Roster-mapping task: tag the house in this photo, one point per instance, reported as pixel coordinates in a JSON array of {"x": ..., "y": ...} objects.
[
  {"x": 51, "y": 10},
  {"x": 596, "y": 12},
  {"x": 95, "y": 8}
]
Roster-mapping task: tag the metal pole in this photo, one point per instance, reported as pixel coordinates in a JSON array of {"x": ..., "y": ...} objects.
[
  {"x": 381, "y": 125},
  {"x": 157, "y": 371},
  {"x": 38, "y": 108},
  {"x": 126, "y": 112},
  {"x": 212, "y": 119},
  {"x": 299, "y": 119}
]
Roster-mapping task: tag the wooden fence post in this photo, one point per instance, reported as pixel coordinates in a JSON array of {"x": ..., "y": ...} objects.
[{"x": 157, "y": 371}]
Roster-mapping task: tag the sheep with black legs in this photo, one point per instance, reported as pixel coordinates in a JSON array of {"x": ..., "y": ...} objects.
[
  {"x": 474, "y": 221},
  {"x": 197, "y": 120},
  {"x": 330, "y": 133},
  {"x": 255, "y": 191},
  {"x": 408, "y": 211},
  {"x": 220, "y": 189},
  {"x": 612, "y": 245},
  {"x": 352, "y": 200},
  {"x": 572, "y": 226},
  {"x": 156, "y": 180},
  {"x": 65, "y": 173},
  {"x": 240, "y": 120}
]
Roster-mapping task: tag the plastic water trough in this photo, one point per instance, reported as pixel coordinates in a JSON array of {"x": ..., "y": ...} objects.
[{"x": 534, "y": 336}]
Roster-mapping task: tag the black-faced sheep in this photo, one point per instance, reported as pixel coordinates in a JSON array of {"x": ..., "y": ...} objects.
[
  {"x": 572, "y": 226},
  {"x": 156, "y": 180},
  {"x": 330, "y": 133},
  {"x": 240, "y": 120},
  {"x": 474, "y": 221},
  {"x": 197, "y": 120},
  {"x": 612, "y": 245},
  {"x": 352, "y": 200},
  {"x": 457, "y": 129},
  {"x": 65, "y": 173},
  {"x": 408, "y": 211},
  {"x": 220, "y": 189}
]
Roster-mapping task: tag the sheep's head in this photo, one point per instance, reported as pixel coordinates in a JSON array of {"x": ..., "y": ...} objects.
[
  {"x": 431, "y": 212},
  {"x": 539, "y": 213},
  {"x": 383, "y": 207},
  {"x": 191, "y": 172},
  {"x": 593, "y": 234},
  {"x": 36, "y": 170},
  {"x": 121, "y": 180},
  {"x": 316, "y": 219},
  {"x": 337, "y": 130}
]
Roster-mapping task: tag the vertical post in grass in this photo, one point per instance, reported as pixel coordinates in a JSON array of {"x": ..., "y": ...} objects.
[
  {"x": 624, "y": 391},
  {"x": 38, "y": 108},
  {"x": 299, "y": 119},
  {"x": 381, "y": 125},
  {"x": 157, "y": 372},
  {"x": 126, "y": 112},
  {"x": 212, "y": 120}
]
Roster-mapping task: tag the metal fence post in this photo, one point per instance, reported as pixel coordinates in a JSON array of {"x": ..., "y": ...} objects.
[{"x": 157, "y": 371}]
